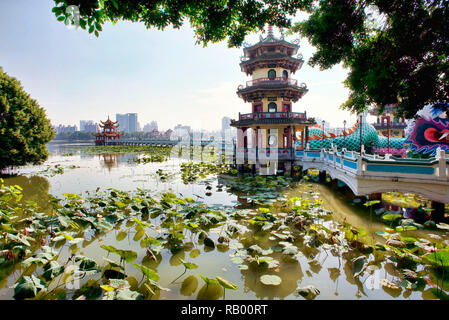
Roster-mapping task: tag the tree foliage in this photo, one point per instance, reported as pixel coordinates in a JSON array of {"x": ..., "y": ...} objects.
[
  {"x": 24, "y": 127},
  {"x": 396, "y": 51},
  {"x": 212, "y": 20}
]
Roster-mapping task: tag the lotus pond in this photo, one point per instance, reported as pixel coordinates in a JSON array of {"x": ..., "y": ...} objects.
[{"x": 147, "y": 223}]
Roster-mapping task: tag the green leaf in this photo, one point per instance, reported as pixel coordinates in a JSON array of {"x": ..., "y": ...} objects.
[
  {"x": 28, "y": 287},
  {"x": 128, "y": 255},
  {"x": 109, "y": 248},
  {"x": 41, "y": 257},
  {"x": 439, "y": 258},
  {"x": 371, "y": 203},
  {"x": 189, "y": 286},
  {"x": 189, "y": 265},
  {"x": 208, "y": 280},
  {"x": 90, "y": 290},
  {"x": 226, "y": 284},
  {"x": 123, "y": 295},
  {"x": 86, "y": 264},
  {"x": 121, "y": 235},
  {"x": 359, "y": 264},
  {"x": 308, "y": 291},
  {"x": 115, "y": 3},
  {"x": 391, "y": 216},
  {"x": 52, "y": 270},
  {"x": 149, "y": 273},
  {"x": 270, "y": 280},
  {"x": 290, "y": 250},
  {"x": 209, "y": 242}
]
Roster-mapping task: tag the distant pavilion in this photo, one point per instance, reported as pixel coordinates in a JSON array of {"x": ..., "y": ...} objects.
[{"x": 109, "y": 132}]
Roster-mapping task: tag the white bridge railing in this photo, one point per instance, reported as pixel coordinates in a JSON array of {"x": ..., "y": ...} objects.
[{"x": 367, "y": 174}]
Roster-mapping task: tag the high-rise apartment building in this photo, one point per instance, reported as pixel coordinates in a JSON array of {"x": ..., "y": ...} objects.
[{"x": 127, "y": 122}]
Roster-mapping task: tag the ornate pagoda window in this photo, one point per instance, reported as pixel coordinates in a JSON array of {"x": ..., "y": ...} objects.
[
  {"x": 272, "y": 107},
  {"x": 271, "y": 74},
  {"x": 285, "y": 75},
  {"x": 286, "y": 107},
  {"x": 257, "y": 107}
]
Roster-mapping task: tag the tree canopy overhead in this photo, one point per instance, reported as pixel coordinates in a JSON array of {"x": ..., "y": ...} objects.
[
  {"x": 24, "y": 127},
  {"x": 396, "y": 51},
  {"x": 212, "y": 20}
]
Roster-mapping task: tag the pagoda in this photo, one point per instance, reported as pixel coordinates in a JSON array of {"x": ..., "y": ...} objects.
[
  {"x": 109, "y": 133},
  {"x": 266, "y": 136},
  {"x": 388, "y": 124}
]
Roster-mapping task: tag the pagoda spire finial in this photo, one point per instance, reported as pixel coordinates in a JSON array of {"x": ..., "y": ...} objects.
[{"x": 270, "y": 31}]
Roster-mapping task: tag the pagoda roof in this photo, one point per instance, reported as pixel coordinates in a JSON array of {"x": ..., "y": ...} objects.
[
  {"x": 108, "y": 123},
  {"x": 279, "y": 58},
  {"x": 259, "y": 91},
  {"x": 271, "y": 40}
]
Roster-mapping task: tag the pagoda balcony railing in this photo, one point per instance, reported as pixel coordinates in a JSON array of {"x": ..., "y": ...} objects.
[
  {"x": 272, "y": 115},
  {"x": 271, "y": 81},
  {"x": 392, "y": 124}
]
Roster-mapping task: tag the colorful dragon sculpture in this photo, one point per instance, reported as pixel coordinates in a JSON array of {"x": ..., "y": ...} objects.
[
  {"x": 427, "y": 132},
  {"x": 351, "y": 139}
]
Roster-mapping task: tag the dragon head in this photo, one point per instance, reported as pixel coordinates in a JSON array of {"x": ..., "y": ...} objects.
[{"x": 430, "y": 130}]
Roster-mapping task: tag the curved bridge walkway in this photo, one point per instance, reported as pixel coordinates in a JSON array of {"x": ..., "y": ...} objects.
[
  {"x": 369, "y": 174},
  {"x": 167, "y": 142}
]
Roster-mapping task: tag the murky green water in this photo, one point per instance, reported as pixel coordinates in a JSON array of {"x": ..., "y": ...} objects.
[{"x": 323, "y": 267}]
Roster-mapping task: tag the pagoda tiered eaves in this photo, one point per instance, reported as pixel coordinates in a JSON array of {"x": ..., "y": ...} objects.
[
  {"x": 262, "y": 90},
  {"x": 270, "y": 60},
  {"x": 272, "y": 42}
]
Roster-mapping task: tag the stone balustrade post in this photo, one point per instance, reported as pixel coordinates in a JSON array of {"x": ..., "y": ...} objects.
[
  {"x": 359, "y": 166},
  {"x": 441, "y": 157}
]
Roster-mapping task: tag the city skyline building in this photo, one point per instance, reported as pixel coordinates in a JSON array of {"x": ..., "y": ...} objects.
[
  {"x": 88, "y": 126},
  {"x": 63, "y": 128},
  {"x": 149, "y": 127},
  {"x": 127, "y": 122}
]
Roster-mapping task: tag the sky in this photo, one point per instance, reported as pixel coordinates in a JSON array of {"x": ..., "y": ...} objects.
[{"x": 161, "y": 75}]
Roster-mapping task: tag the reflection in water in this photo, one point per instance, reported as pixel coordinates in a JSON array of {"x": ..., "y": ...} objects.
[
  {"x": 109, "y": 160},
  {"x": 189, "y": 286},
  {"x": 35, "y": 189}
]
